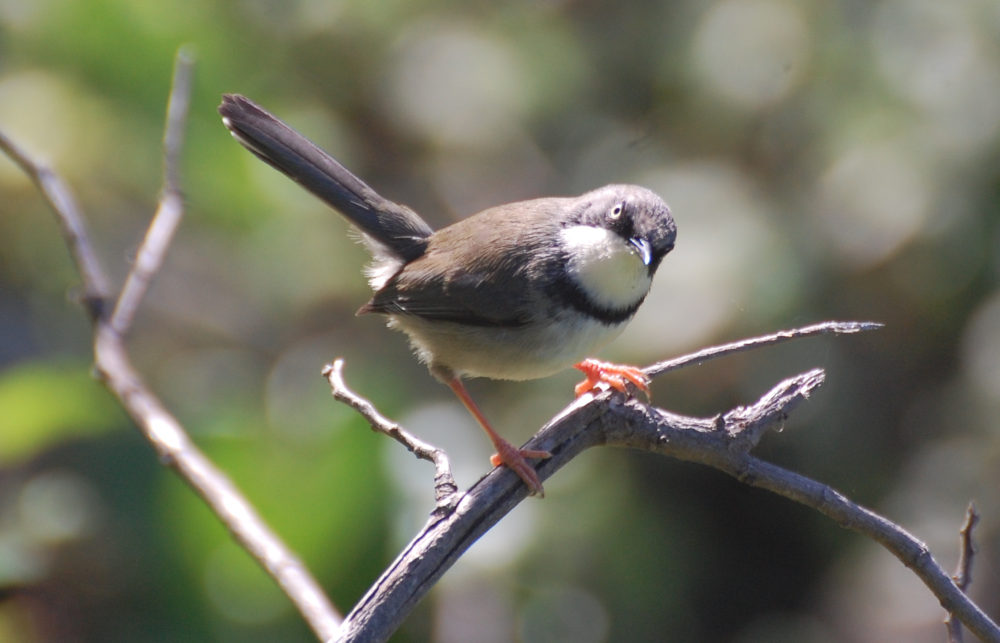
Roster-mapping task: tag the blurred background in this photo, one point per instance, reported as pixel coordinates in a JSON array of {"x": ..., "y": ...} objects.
[{"x": 823, "y": 161}]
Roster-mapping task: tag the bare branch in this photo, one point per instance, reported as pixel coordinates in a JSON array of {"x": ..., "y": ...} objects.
[
  {"x": 171, "y": 207},
  {"x": 713, "y": 352},
  {"x": 963, "y": 571},
  {"x": 445, "y": 489},
  {"x": 96, "y": 289},
  {"x": 114, "y": 368},
  {"x": 177, "y": 451},
  {"x": 722, "y": 442}
]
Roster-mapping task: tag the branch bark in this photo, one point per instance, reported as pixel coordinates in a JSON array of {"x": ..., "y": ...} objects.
[
  {"x": 610, "y": 419},
  {"x": 963, "y": 570},
  {"x": 445, "y": 488}
]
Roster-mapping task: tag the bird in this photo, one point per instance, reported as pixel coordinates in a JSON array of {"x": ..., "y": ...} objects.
[{"x": 518, "y": 291}]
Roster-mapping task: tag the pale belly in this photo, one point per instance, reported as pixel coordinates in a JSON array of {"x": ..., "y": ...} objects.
[{"x": 524, "y": 353}]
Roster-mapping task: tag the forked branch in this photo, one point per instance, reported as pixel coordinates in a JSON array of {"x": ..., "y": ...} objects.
[
  {"x": 723, "y": 442},
  {"x": 113, "y": 364}
]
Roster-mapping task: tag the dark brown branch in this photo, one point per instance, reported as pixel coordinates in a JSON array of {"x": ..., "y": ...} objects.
[
  {"x": 445, "y": 489},
  {"x": 963, "y": 571},
  {"x": 114, "y": 367},
  {"x": 723, "y": 442}
]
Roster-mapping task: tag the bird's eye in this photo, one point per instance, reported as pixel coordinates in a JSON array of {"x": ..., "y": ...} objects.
[{"x": 616, "y": 211}]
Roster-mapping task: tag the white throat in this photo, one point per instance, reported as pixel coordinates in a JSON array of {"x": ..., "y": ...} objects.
[{"x": 607, "y": 269}]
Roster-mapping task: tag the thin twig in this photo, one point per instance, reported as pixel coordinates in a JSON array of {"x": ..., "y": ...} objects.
[
  {"x": 963, "y": 571},
  {"x": 96, "y": 288},
  {"x": 445, "y": 489},
  {"x": 113, "y": 366},
  {"x": 171, "y": 207},
  {"x": 714, "y": 352}
]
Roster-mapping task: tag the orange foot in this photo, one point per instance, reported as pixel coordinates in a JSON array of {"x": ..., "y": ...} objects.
[
  {"x": 617, "y": 376},
  {"x": 515, "y": 459}
]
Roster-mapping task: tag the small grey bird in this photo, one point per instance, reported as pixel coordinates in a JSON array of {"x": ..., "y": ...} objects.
[{"x": 518, "y": 291}]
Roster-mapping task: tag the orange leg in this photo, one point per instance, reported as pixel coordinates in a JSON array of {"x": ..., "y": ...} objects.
[
  {"x": 507, "y": 454},
  {"x": 617, "y": 376}
]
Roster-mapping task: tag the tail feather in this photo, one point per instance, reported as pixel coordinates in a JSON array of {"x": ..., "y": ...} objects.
[{"x": 395, "y": 226}]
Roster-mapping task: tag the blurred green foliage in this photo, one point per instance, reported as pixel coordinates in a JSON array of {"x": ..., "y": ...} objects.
[
  {"x": 34, "y": 420},
  {"x": 823, "y": 160}
]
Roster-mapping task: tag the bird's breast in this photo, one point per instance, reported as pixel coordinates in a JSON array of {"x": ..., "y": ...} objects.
[{"x": 605, "y": 267}]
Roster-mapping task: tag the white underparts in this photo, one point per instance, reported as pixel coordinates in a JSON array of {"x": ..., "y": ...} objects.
[{"x": 607, "y": 269}]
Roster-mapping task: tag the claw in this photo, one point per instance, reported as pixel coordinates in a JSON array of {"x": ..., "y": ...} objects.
[
  {"x": 517, "y": 461},
  {"x": 507, "y": 454},
  {"x": 617, "y": 376}
]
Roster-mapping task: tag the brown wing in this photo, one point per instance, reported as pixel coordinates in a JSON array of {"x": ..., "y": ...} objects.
[{"x": 487, "y": 270}]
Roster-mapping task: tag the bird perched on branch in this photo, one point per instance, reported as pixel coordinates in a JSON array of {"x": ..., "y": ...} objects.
[{"x": 518, "y": 291}]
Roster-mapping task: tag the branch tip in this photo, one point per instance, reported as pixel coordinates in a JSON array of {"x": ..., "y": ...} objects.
[
  {"x": 747, "y": 424},
  {"x": 170, "y": 209},
  {"x": 963, "y": 570},
  {"x": 714, "y": 352},
  {"x": 445, "y": 487}
]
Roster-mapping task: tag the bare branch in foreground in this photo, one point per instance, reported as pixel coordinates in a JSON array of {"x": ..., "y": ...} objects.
[
  {"x": 963, "y": 571},
  {"x": 723, "y": 442},
  {"x": 114, "y": 368},
  {"x": 445, "y": 489},
  {"x": 177, "y": 451}
]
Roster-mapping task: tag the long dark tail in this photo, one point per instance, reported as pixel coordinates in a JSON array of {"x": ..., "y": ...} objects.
[{"x": 391, "y": 224}]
